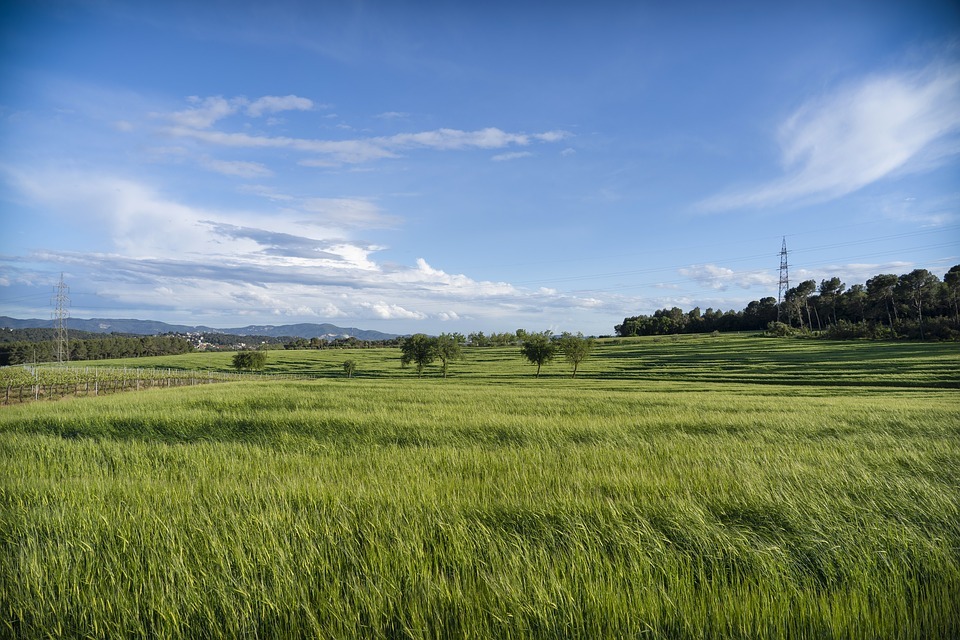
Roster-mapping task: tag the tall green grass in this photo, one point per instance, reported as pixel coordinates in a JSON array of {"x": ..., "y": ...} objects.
[
  {"x": 747, "y": 358},
  {"x": 392, "y": 507}
]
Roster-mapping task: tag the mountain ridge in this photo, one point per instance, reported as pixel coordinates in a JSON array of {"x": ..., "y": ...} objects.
[{"x": 155, "y": 327}]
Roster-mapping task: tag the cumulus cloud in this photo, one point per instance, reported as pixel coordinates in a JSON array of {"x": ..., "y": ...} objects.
[
  {"x": 160, "y": 254},
  {"x": 866, "y": 131},
  {"x": 721, "y": 278},
  {"x": 386, "y": 311}
]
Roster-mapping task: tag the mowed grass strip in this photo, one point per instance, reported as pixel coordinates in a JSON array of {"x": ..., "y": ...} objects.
[{"x": 428, "y": 508}]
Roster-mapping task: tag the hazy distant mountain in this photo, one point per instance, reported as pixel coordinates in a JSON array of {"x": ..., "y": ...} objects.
[
  {"x": 152, "y": 327},
  {"x": 307, "y": 330}
]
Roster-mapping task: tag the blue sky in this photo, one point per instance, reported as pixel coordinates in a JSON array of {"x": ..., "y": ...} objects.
[{"x": 446, "y": 166}]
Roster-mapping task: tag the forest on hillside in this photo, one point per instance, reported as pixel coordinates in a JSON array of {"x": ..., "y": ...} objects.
[
  {"x": 102, "y": 348},
  {"x": 916, "y": 305}
]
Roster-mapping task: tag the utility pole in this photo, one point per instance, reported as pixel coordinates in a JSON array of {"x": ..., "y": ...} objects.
[
  {"x": 784, "y": 277},
  {"x": 61, "y": 314}
]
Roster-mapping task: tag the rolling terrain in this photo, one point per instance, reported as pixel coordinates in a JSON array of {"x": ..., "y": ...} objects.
[{"x": 701, "y": 486}]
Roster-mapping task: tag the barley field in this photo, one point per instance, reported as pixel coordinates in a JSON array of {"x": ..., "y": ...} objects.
[{"x": 732, "y": 487}]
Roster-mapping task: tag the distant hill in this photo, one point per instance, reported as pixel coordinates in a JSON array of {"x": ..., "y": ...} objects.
[{"x": 153, "y": 327}]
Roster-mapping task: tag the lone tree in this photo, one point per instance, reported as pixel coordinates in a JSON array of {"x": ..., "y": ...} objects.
[
  {"x": 575, "y": 349},
  {"x": 420, "y": 349},
  {"x": 249, "y": 360},
  {"x": 448, "y": 347},
  {"x": 539, "y": 349},
  {"x": 349, "y": 366}
]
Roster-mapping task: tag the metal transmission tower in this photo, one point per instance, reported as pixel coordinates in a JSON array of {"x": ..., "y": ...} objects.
[
  {"x": 60, "y": 315},
  {"x": 784, "y": 277}
]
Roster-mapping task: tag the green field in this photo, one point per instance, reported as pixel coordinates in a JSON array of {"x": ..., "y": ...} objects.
[{"x": 694, "y": 488}]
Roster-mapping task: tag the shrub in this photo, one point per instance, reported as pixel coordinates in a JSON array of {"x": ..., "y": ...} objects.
[{"x": 780, "y": 330}]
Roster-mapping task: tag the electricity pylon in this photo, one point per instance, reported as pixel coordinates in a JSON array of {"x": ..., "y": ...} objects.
[{"x": 60, "y": 315}]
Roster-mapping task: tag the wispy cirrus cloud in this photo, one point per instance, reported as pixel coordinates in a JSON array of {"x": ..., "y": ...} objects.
[
  {"x": 839, "y": 143},
  {"x": 197, "y": 123},
  {"x": 366, "y": 149},
  {"x": 513, "y": 155},
  {"x": 239, "y": 168},
  {"x": 274, "y": 104},
  {"x": 205, "y": 112}
]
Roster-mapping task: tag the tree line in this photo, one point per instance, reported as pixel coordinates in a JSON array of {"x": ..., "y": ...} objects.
[
  {"x": 94, "y": 349},
  {"x": 916, "y": 305},
  {"x": 343, "y": 342}
]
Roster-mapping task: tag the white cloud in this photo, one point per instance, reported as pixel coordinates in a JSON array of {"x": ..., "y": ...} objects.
[
  {"x": 551, "y": 136},
  {"x": 513, "y": 155},
  {"x": 444, "y": 139},
  {"x": 348, "y": 212},
  {"x": 852, "y": 273},
  {"x": 206, "y": 113},
  {"x": 885, "y": 124},
  {"x": 343, "y": 150},
  {"x": 237, "y": 168},
  {"x": 165, "y": 257},
  {"x": 197, "y": 122},
  {"x": 386, "y": 311},
  {"x": 265, "y": 191},
  {"x": 273, "y": 104},
  {"x": 721, "y": 278},
  {"x": 392, "y": 115}
]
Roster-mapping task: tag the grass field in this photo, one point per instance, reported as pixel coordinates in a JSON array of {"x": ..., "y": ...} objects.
[
  {"x": 746, "y": 358},
  {"x": 678, "y": 489}
]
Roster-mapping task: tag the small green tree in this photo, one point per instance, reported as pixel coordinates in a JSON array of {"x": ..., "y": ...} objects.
[
  {"x": 349, "y": 366},
  {"x": 539, "y": 349},
  {"x": 575, "y": 349},
  {"x": 249, "y": 360},
  {"x": 448, "y": 347},
  {"x": 419, "y": 349}
]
